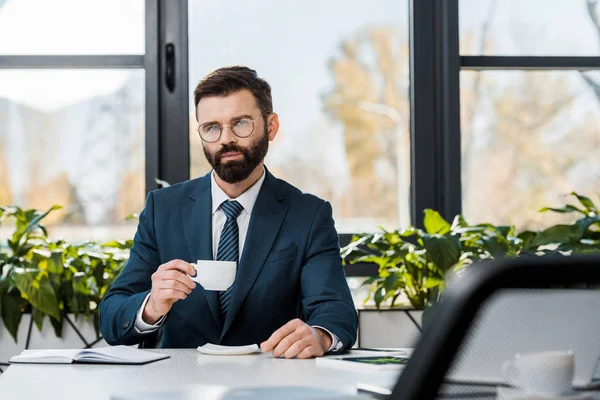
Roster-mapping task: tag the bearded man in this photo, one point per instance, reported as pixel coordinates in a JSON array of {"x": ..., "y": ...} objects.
[{"x": 290, "y": 293}]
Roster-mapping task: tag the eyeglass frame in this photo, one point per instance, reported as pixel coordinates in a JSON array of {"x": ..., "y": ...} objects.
[{"x": 230, "y": 128}]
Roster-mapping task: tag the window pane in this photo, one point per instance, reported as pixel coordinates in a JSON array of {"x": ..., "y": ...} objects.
[
  {"x": 74, "y": 138},
  {"x": 339, "y": 74},
  {"x": 57, "y": 27},
  {"x": 528, "y": 140},
  {"x": 529, "y": 28}
]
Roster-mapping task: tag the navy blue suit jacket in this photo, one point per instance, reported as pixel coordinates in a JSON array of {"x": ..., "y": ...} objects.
[{"x": 290, "y": 268}]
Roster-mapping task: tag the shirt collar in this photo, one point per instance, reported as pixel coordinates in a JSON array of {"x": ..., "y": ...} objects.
[{"x": 246, "y": 199}]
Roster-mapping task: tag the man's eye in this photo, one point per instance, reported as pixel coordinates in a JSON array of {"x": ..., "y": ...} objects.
[
  {"x": 211, "y": 129},
  {"x": 242, "y": 123}
]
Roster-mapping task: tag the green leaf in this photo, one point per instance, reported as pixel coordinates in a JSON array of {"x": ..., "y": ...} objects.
[
  {"x": 552, "y": 235},
  {"x": 55, "y": 262},
  {"x": 528, "y": 238},
  {"x": 11, "y": 312},
  {"x": 585, "y": 201},
  {"x": 390, "y": 283},
  {"x": 495, "y": 246},
  {"x": 132, "y": 216},
  {"x": 370, "y": 280},
  {"x": 32, "y": 219},
  {"x": 566, "y": 209},
  {"x": 503, "y": 230},
  {"x": 434, "y": 223},
  {"x": 444, "y": 251},
  {"x": 58, "y": 326},
  {"x": 38, "y": 318},
  {"x": 581, "y": 226},
  {"x": 432, "y": 282},
  {"x": 96, "y": 321},
  {"x": 580, "y": 248},
  {"x": 378, "y": 296},
  {"x": 38, "y": 291},
  {"x": 118, "y": 244}
]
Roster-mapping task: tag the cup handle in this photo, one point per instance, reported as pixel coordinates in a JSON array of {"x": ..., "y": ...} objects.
[
  {"x": 195, "y": 276},
  {"x": 510, "y": 373}
]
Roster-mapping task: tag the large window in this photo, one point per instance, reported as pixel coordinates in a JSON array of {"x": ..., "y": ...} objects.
[
  {"x": 95, "y": 104},
  {"x": 340, "y": 80},
  {"x": 528, "y": 28},
  {"x": 528, "y": 139},
  {"x": 71, "y": 27},
  {"x": 73, "y": 137},
  {"x": 530, "y": 134}
]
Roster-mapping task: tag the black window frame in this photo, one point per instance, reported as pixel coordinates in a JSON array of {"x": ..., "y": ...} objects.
[{"x": 435, "y": 66}]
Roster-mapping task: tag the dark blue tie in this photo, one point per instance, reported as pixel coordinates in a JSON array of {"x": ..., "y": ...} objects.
[{"x": 229, "y": 245}]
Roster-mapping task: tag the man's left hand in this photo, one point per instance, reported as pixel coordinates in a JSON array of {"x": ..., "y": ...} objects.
[{"x": 296, "y": 339}]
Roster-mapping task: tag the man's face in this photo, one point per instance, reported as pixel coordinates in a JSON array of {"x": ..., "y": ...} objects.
[{"x": 234, "y": 158}]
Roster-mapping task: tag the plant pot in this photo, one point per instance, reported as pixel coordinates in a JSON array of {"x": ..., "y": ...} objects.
[
  {"x": 389, "y": 326},
  {"x": 46, "y": 339}
]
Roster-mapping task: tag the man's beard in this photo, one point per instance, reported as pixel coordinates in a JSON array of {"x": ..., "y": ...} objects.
[{"x": 235, "y": 171}]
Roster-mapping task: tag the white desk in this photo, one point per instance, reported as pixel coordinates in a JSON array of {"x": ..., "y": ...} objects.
[{"x": 185, "y": 367}]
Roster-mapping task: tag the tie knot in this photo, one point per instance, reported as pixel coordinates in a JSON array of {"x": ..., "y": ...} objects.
[{"x": 231, "y": 208}]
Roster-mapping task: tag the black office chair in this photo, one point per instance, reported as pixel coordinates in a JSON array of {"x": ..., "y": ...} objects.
[{"x": 424, "y": 375}]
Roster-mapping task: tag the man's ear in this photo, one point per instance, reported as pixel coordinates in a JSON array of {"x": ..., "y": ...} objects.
[{"x": 272, "y": 125}]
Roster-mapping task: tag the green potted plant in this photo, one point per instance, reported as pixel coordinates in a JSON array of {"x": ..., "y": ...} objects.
[
  {"x": 42, "y": 278},
  {"x": 413, "y": 263}
]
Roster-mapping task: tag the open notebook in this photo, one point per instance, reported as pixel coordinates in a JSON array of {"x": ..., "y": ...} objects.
[{"x": 101, "y": 355}]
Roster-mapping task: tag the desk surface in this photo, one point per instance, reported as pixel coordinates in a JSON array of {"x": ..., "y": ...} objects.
[{"x": 185, "y": 367}]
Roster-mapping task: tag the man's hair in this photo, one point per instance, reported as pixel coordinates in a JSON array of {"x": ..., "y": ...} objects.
[{"x": 227, "y": 80}]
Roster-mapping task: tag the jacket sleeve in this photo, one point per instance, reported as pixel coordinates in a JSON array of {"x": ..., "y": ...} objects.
[
  {"x": 326, "y": 297},
  {"x": 121, "y": 303}
]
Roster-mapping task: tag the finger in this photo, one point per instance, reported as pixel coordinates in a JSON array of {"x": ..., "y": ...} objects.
[
  {"x": 309, "y": 352},
  {"x": 169, "y": 294},
  {"x": 297, "y": 347},
  {"x": 180, "y": 265},
  {"x": 177, "y": 276},
  {"x": 286, "y": 343},
  {"x": 172, "y": 284},
  {"x": 278, "y": 335}
]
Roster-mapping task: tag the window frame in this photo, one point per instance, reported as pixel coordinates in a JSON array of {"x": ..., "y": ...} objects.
[
  {"x": 435, "y": 66},
  {"x": 496, "y": 62}
]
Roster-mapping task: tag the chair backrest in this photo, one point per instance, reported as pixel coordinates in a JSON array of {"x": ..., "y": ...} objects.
[{"x": 423, "y": 376}]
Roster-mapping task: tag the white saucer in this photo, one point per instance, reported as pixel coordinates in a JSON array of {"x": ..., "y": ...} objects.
[
  {"x": 505, "y": 393},
  {"x": 215, "y": 349}
]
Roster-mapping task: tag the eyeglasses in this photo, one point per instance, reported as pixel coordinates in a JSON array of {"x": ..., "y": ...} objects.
[{"x": 241, "y": 127}]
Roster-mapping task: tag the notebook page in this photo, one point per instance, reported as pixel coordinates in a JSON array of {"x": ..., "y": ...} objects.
[
  {"x": 50, "y": 355},
  {"x": 118, "y": 354}
]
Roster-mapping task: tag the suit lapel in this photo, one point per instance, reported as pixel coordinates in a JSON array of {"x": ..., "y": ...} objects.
[
  {"x": 266, "y": 219},
  {"x": 197, "y": 225}
]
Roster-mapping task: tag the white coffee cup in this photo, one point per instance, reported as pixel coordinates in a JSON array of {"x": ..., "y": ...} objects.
[
  {"x": 214, "y": 275},
  {"x": 543, "y": 373}
]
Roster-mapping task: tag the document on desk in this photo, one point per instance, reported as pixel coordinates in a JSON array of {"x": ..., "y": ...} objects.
[
  {"x": 101, "y": 355},
  {"x": 364, "y": 364},
  {"x": 367, "y": 360}
]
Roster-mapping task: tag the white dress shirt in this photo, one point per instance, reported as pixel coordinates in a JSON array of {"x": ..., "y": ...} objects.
[{"x": 247, "y": 201}]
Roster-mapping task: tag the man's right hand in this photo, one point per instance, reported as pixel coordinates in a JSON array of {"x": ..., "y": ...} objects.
[{"x": 170, "y": 283}]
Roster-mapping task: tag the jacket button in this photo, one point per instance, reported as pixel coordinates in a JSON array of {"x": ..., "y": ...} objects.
[{"x": 126, "y": 324}]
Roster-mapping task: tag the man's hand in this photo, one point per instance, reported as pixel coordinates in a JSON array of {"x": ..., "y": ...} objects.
[
  {"x": 296, "y": 339},
  {"x": 170, "y": 283}
]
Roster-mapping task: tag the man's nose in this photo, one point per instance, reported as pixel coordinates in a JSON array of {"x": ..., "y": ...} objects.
[{"x": 227, "y": 135}]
